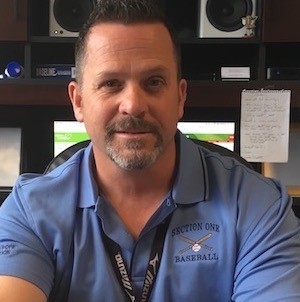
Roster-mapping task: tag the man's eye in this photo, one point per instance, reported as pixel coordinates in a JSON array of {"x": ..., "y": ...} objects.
[
  {"x": 155, "y": 82},
  {"x": 112, "y": 83},
  {"x": 110, "y": 86}
]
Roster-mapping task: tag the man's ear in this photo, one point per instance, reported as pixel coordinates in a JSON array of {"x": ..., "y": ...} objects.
[
  {"x": 76, "y": 100},
  {"x": 182, "y": 87}
]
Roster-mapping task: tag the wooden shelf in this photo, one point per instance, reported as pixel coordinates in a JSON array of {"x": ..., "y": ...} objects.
[
  {"x": 46, "y": 39},
  {"x": 200, "y": 93},
  {"x": 200, "y": 57},
  {"x": 228, "y": 94},
  {"x": 234, "y": 41},
  {"x": 34, "y": 92}
]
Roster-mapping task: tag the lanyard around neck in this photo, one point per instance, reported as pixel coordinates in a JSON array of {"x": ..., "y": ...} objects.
[{"x": 121, "y": 270}]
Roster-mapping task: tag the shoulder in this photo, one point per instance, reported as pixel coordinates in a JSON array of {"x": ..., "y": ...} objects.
[
  {"x": 221, "y": 177},
  {"x": 229, "y": 166},
  {"x": 250, "y": 196},
  {"x": 39, "y": 198},
  {"x": 43, "y": 188}
]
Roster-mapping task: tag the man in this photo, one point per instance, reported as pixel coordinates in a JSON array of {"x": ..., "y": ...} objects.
[{"x": 143, "y": 214}]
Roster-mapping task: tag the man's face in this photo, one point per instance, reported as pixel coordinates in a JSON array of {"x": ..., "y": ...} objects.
[{"x": 129, "y": 98}]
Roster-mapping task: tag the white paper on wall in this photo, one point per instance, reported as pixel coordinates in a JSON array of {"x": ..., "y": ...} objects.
[{"x": 265, "y": 125}]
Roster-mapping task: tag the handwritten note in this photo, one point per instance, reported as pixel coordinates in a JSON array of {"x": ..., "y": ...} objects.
[{"x": 265, "y": 125}]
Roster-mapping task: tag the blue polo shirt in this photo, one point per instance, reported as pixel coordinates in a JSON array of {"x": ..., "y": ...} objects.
[{"x": 232, "y": 236}]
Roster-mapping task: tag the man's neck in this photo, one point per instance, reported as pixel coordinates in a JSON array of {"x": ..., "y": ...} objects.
[{"x": 136, "y": 195}]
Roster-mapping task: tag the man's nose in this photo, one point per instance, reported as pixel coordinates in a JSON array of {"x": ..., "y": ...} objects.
[{"x": 133, "y": 101}]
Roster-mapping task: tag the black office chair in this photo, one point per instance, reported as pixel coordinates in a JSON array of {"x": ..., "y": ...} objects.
[{"x": 66, "y": 154}]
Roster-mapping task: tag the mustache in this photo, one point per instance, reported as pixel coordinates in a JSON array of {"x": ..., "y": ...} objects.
[{"x": 130, "y": 124}]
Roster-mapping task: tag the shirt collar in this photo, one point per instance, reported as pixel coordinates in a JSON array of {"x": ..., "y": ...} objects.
[
  {"x": 190, "y": 185},
  {"x": 88, "y": 189}
]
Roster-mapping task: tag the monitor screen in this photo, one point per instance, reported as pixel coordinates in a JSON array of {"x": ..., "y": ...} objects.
[
  {"x": 220, "y": 133},
  {"x": 68, "y": 133}
]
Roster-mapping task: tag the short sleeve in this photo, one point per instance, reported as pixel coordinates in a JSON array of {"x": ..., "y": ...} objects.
[
  {"x": 268, "y": 264},
  {"x": 22, "y": 252}
]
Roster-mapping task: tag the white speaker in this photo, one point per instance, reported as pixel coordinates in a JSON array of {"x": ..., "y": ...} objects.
[
  {"x": 223, "y": 19},
  {"x": 66, "y": 17}
]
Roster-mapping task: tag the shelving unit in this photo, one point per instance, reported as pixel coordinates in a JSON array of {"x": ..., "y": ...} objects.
[{"x": 202, "y": 58}]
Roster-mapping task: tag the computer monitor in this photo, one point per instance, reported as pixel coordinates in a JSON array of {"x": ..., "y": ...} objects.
[
  {"x": 10, "y": 159},
  {"x": 68, "y": 133},
  {"x": 220, "y": 133},
  {"x": 10, "y": 156}
]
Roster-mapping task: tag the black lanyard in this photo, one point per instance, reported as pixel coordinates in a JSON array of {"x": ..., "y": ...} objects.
[{"x": 121, "y": 270}]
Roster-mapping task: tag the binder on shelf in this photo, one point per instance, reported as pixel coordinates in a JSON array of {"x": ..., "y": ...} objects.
[
  {"x": 235, "y": 73},
  {"x": 55, "y": 71}
]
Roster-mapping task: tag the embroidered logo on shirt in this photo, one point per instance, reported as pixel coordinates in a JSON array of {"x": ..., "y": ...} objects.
[
  {"x": 195, "y": 245},
  {"x": 7, "y": 249},
  {"x": 195, "y": 242}
]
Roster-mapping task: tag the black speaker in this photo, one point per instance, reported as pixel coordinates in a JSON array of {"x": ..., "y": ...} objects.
[
  {"x": 223, "y": 18},
  {"x": 66, "y": 17}
]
